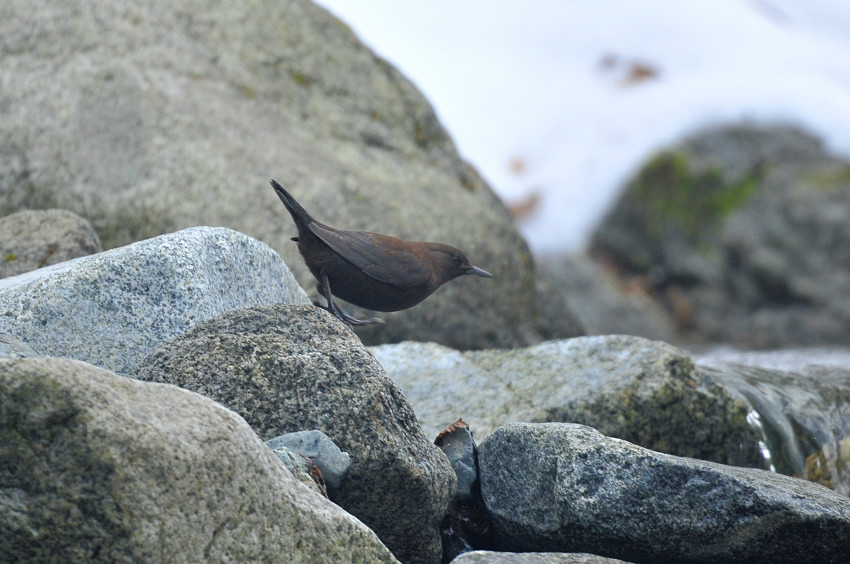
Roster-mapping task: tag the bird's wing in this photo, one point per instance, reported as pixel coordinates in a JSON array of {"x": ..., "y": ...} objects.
[{"x": 392, "y": 265}]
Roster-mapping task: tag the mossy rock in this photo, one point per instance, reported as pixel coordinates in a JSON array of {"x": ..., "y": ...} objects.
[
  {"x": 740, "y": 231},
  {"x": 675, "y": 193}
]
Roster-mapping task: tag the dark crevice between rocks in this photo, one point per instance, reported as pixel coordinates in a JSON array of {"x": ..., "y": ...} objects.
[{"x": 466, "y": 526}]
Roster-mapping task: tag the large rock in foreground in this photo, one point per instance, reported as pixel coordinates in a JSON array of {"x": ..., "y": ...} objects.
[
  {"x": 564, "y": 487},
  {"x": 294, "y": 368},
  {"x": 100, "y": 468},
  {"x": 112, "y": 309},
  {"x": 180, "y": 112}
]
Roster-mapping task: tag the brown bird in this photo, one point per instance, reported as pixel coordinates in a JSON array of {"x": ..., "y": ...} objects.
[{"x": 373, "y": 271}]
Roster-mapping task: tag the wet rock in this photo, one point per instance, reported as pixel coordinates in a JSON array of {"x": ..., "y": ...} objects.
[
  {"x": 98, "y": 467},
  {"x": 566, "y": 487},
  {"x": 289, "y": 368},
  {"x": 800, "y": 399},
  {"x": 830, "y": 466},
  {"x": 33, "y": 239},
  {"x": 112, "y": 309}
]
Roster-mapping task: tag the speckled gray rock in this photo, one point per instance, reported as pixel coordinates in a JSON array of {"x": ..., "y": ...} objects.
[
  {"x": 489, "y": 557},
  {"x": 11, "y": 347},
  {"x": 318, "y": 447},
  {"x": 443, "y": 385},
  {"x": 112, "y": 309},
  {"x": 32, "y": 239},
  {"x": 643, "y": 391},
  {"x": 97, "y": 467},
  {"x": 289, "y": 368},
  {"x": 566, "y": 487},
  {"x": 149, "y": 117}
]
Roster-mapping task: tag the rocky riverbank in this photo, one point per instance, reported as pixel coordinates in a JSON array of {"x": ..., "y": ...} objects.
[
  {"x": 175, "y": 472},
  {"x": 176, "y": 397}
]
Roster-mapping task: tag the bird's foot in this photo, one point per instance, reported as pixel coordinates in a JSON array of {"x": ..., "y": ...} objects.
[
  {"x": 346, "y": 318},
  {"x": 351, "y": 320}
]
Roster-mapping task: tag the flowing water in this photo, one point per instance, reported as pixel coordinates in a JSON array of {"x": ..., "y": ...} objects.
[{"x": 800, "y": 399}]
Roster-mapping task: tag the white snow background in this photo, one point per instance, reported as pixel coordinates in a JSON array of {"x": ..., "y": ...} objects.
[{"x": 537, "y": 93}]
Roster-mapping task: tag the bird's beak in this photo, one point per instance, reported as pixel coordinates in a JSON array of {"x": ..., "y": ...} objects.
[{"x": 474, "y": 270}]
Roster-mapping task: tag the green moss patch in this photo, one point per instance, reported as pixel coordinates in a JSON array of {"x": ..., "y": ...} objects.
[{"x": 695, "y": 202}]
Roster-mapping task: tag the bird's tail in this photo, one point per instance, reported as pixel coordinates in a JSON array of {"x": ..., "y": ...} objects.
[{"x": 299, "y": 214}]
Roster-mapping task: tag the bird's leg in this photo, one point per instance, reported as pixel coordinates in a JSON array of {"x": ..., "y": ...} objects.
[{"x": 338, "y": 312}]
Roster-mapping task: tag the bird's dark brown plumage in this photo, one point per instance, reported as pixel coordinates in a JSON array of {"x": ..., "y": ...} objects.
[{"x": 374, "y": 271}]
